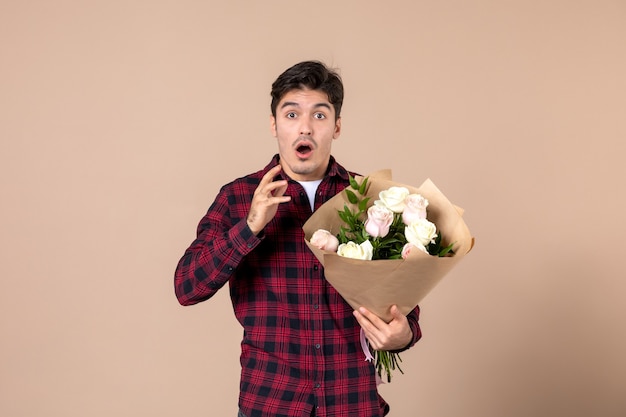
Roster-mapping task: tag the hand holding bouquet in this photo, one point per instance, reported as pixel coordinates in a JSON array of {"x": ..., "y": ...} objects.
[{"x": 384, "y": 243}]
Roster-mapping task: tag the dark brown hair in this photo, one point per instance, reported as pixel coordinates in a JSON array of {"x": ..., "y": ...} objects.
[{"x": 313, "y": 75}]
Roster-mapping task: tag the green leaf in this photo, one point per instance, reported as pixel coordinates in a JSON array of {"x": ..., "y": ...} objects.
[
  {"x": 344, "y": 216},
  {"x": 349, "y": 213},
  {"x": 446, "y": 250},
  {"x": 363, "y": 204},
  {"x": 363, "y": 186},
  {"x": 352, "y": 198},
  {"x": 353, "y": 183},
  {"x": 342, "y": 236}
]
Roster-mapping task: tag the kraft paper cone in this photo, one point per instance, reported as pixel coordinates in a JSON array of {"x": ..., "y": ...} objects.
[{"x": 377, "y": 285}]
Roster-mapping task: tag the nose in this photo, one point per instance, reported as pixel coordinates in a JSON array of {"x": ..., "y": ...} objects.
[{"x": 305, "y": 128}]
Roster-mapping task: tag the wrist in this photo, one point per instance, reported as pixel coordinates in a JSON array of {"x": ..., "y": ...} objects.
[{"x": 252, "y": 228}]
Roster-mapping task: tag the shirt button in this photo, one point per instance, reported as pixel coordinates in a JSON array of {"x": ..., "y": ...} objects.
[
  {"x": 315, "y": 306},
  {"x": 317, "y": 385},
  {"x": 317, "y": 346},
  {"x": 315, "y": 267}
]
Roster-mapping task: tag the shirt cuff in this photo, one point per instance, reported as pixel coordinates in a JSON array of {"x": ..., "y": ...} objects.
[{"x": 244, "y": 241}]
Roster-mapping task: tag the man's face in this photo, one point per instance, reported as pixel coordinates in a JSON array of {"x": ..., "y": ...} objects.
[{"x": 305, "y": 128}]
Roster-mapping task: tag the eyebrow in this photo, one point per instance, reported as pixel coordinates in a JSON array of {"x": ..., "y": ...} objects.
[{"x": 294, "y": 104}]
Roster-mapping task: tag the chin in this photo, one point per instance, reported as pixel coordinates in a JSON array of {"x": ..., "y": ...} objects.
[{"x": 304, "y": 170}]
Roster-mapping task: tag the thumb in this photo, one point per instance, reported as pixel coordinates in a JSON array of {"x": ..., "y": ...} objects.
[{"x": 395, "y": 312}]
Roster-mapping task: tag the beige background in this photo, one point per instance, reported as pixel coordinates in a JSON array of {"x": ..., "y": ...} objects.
[{"x": 119, "y": 120}]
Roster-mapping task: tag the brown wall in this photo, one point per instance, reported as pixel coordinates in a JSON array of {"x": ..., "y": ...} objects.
[{"x": 119, "y": 120}]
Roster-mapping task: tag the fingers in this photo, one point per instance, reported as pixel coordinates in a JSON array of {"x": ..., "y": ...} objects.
[
  {"x": 269, "y": 176},
  {"x": 270, "y": 194},
  {"x": 270, "y": 188},
  {"x": 267, "y": 196},
  {"x": 382, "y": 335},
  {"x": 370, "y": 323},
  {"x": 369, "y": 317}
]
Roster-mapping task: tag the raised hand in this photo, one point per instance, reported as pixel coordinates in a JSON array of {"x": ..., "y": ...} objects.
[{"x": 268, "y": 195}]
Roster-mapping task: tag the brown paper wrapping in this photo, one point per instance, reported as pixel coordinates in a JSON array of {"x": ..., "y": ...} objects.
[{"x": 377, "y": 285}]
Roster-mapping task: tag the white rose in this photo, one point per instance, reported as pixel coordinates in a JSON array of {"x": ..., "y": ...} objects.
[
  {"x": 393, "y": 198},
  {"x": 324, "y": 240},
  {"x": 420, "y": 232},
  {"x": 355, "y": 251}
]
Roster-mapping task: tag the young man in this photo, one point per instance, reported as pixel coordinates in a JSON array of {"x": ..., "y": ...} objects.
[{"x": 301, "y": 352}]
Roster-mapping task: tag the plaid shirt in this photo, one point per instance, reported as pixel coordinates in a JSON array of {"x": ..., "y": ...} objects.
[{"x": 300, "y": 350}]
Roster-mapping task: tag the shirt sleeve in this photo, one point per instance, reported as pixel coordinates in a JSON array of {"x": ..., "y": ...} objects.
[
  {"x": 413, "y": 318},
  {"x": 221, "y": 244}
]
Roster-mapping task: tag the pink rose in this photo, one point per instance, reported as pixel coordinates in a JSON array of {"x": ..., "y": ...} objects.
[
  {"x": 379, "y": 219},
  {"x": 415, "y": 208},
  {"x": 406, "y": 250},
  {"x": 324, "y": 240}
]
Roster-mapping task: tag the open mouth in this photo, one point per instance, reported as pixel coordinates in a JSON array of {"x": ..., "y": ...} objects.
[{"x": 304, "y": 149}]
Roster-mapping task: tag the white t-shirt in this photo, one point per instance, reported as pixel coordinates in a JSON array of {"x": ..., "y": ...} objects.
[{"x": 310, "y": 187}]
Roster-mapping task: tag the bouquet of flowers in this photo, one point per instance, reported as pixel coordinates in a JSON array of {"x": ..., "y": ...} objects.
[{"x": 384, "y": 243}]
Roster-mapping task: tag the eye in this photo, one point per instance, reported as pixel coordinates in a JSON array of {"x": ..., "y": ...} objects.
[
  {"x": 291, "y": 115},
  {"x": 320, "y": 116}
]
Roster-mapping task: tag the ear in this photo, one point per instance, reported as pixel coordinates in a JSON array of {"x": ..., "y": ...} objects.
[
  {"x": 337, "y": 128},
  {"x": 273, "y": 125}
]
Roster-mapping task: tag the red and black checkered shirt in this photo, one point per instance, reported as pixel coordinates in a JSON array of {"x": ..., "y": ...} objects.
[{"x": 300, "y": 350}]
